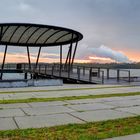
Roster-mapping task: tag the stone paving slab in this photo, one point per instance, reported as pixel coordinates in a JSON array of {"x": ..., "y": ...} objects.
[
  {"x": 124, "y": 103},
  {"x": 70, "y": 93},
  {"x": 110, "y": 99},
  {"x": 54, "y": 103},
  {"x": 21, "y": 96},
  {"x": 132, "y": 97},
  {"x": 83, "y": 101},
  {"x": 100, "y": 115},
  {"x": 16, "y": 105},
  {"x": 134, "y": 110},
  {"x": 11, "y": 112},
  {"x": 129, "y": 137},
  {"x": 47, "y": 110},
  {"x": 65, "y": 86},
  {"x": 93, "y": 106},
  {"x": 7, "y": 124},
  {"x": 45, "y": 121}
]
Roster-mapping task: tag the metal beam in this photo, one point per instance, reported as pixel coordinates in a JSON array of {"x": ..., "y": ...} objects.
[
  {"x": 2, "y": 67},
  {"x": 13, "y": 33},
  {"x": 23, "y": 33},
  {"x": 60, "y": 70},
  {"x": 5, "y": 30},
  {"x": 38, "y": 57},
  {"x": 51, "y": 36},
  {"x": 29, "y": 61},
  {"x": 74, "y": 53},
  {"x": 32, "y": 34},
  {"x": 70, "y": 52},
  {"x": 67, "y": 57},
  {"x": 41, "y": 35},
  {"x": 61, "y": 37},
  {"x": 1, "y": 33}
]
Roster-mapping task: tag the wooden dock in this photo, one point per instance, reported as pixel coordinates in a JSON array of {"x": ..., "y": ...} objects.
[{"x": 77, "y": 74}]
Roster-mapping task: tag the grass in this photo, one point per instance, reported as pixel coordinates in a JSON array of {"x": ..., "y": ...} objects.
[
  {"x": 68, "y": 89},
  {"x": 68, "y": 98},
  {"x": 87, "y": 131}
]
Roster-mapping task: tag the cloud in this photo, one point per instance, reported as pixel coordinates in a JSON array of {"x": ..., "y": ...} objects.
[
  {"x": 106, "y": 52},
  {"x": 24, "y": 6}
]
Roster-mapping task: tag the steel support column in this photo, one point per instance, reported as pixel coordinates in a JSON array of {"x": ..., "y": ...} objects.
[
  {"x": 74, "y": 53},
  {"x": 60, "y": 70},
  {"x": 38, "y": 57},
  {"x": 2, "y": 67},
  {"x": 29, "y": 61}
]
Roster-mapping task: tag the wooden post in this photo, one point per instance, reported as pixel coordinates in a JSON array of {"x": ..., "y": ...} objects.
[
  {"x": 99, "y": 72},
  {"x": 83, "y": 70},
  {"x": 25, "y": 75},
  {"x": 129, "y": 78},
  {"x": 90, "y": 74},
  {"x": 102, "y": 77},
  {"x": 78, "y": 69},
  {"x": 107, "y": 73},
  {"x": 118, "y": 75},
  {"x": 52, "y": 70}
]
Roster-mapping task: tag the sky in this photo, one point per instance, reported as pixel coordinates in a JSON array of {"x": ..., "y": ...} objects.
[{"x": 110, "y": 28}]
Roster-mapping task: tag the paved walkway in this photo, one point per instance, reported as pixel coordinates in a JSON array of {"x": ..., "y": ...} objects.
[
  {"x": 50, "y": 94},
  {"x": 45, "y": 114},
  {"x": 129, "y": 137}
]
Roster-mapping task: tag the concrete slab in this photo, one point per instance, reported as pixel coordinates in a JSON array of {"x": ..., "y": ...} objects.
[
  {"x": 129, "y": 137},
  {"x": 110, "y": 99},
  {"x": 45, "y": 121},
  {"x": 11, "y": 112},
  {"x": 131, "y": 97},
  {"x": 47, "y": 110},
  {"x": 21, "y": 96},
  {"x": 7, "y": 124},
  {"x": 54, "y": 103},
  {"x": 83, "y": 101},
  {"x": 100, "y": 115},
  {"x": 124, "y": 103},
  {"x": 93, "y": 106},
  {"x": 16, "y": 105},
  {"x": 134, "y": 110}
]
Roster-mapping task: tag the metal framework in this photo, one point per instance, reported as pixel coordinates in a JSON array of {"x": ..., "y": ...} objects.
[{"x": 36, "y": 35}]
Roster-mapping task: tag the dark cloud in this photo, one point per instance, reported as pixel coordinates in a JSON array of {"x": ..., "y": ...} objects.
[{"x": 112, "y": 22}]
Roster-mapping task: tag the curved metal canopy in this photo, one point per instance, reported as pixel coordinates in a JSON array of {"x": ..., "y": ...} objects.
[{"x": 24, "y": 34}]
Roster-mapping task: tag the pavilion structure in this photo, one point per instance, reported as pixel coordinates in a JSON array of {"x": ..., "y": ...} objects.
[{"x": 36, "y": 35}]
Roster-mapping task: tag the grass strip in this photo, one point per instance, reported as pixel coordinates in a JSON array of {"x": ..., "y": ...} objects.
[
  {"x": 67, "y": 98},
  {"x": 88, "y": 131},
  {"x": 68, "y": 89}
]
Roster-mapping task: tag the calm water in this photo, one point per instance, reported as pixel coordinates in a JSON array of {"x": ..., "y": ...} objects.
[{"x": 11, "y": 76}]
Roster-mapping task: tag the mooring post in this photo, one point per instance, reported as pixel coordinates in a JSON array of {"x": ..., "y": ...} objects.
[
  {"x": 129, "y": 78},
  {"x": 45, "y": 69},
  {"x": 78, "y": 69},
  {"x": 25, "y": 75},
  {"x": 99, "y": 72},
  {"x": 102, "y": 77},
  {"x": 107, "y": 70},
  {"x": 83, "y": 70},
  {"x": 90, "y": 74},
  {"x": 118, "y": 75}
]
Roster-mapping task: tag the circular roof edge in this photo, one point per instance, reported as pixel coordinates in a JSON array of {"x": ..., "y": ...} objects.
[{"x": 30, "y": 34}]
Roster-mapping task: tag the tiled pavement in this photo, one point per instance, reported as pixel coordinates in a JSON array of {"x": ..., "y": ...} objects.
[
  {"x": 44, "y": 114},
  {"x": 22, "y": 95}
]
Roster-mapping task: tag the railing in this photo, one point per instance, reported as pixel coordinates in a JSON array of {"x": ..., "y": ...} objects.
[{"x": 79, "y": 73}]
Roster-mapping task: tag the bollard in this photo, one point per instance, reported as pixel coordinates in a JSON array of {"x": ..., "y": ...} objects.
[
  {"x": 118, "y": 75},
  {"x": 107, "y": 73},
  {"x": 25, "y": 75}
]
